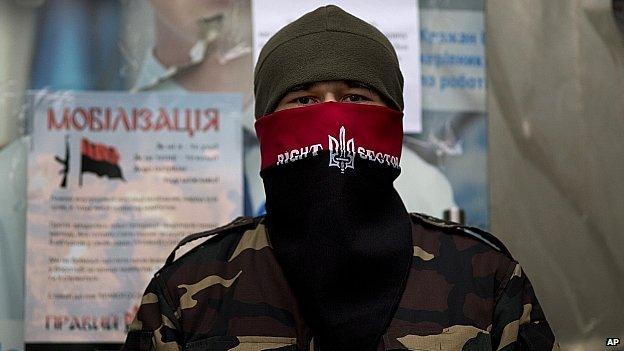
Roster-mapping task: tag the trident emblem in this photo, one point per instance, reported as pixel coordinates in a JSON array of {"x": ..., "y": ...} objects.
[{"x": 341, "y": 152}]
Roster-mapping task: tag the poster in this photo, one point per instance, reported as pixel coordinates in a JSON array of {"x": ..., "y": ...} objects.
[
  {"x": 115, "y": 180},
  {"x": 454, "y": 119},
  {"x": 453, "y": 60},
  {"x": 397, "y": 19}
]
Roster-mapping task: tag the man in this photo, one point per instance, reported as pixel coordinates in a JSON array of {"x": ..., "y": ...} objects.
[{"x": 337, "y": 263}]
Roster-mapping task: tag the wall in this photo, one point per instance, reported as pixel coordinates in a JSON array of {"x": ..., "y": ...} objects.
[{"x": 556, "y": 117}]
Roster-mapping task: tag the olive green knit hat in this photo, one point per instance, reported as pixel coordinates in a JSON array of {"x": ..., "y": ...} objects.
[{"x": 326, "y": 44}]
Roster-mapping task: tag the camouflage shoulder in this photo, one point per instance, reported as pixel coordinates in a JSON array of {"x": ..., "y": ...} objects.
[
  {"x": 459, "y": 229},
  {"x": 238, "y": 225}
]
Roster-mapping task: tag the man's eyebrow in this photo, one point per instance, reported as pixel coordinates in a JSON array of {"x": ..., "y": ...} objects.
[{"x": 310, "y": 85}]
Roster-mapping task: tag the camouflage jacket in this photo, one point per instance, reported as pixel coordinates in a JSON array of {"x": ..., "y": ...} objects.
[{"x": 464, "y": 292}]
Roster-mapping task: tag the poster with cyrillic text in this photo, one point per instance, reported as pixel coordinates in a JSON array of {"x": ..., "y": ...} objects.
[
  {"x": 397, "y": 19},
  {"x": 453, "y": 60},
  {"x": 115, "y": 181}
]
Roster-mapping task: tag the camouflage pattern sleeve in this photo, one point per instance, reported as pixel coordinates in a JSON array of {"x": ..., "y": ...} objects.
[
  {"x": 155, "y": 326},
  {"x": 519, "y": 322}
]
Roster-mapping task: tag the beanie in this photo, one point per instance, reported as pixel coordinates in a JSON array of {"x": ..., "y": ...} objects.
[{"x": 326, "y": 44}]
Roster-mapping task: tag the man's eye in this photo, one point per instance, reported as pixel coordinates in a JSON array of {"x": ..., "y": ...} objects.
[
  {"x": 354, "y": 98},
  {"x": 304, "y": 100}
]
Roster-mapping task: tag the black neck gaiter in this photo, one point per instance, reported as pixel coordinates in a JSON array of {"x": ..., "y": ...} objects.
[{"x": 338, "y": 228}]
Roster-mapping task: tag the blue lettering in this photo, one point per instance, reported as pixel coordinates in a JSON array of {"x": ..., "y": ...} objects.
[
  {"x": 446, "y": 59},
  {"x": 443, "y": 37},
  {"x": 428, "y": 81},
  {"x": 461, "y": 82}
]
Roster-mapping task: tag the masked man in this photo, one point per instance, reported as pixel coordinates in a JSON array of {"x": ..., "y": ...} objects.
[{"x": 337, "y": 263}]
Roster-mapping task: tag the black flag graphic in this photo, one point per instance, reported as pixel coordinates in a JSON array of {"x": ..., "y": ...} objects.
[{"x": 100, "y": 159}]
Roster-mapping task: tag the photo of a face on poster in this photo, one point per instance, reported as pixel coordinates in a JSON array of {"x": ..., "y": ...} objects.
[{"x": 199, "y": 45}]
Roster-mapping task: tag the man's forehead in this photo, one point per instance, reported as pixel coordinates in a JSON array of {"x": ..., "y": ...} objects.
[{"x": 333, "y": 84}]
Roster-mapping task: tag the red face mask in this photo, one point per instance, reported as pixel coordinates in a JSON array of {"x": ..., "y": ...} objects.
[
  {"x": 348, "y": 131},
  {"x": 337, "y": 226}
]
